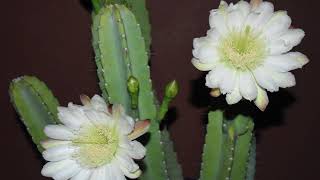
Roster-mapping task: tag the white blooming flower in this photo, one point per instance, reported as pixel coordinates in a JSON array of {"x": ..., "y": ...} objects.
[
  {"x": 94, "y": 142},
  {"x": 246, "y": 51}
]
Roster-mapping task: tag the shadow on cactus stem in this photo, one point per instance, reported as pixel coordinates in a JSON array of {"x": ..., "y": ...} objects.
[{"x": 272, "y": 116}]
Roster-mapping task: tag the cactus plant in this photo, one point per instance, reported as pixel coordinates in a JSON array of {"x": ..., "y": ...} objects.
[
  {"x": 35, "y": 104},
  {"x": 121, "y": 39}
]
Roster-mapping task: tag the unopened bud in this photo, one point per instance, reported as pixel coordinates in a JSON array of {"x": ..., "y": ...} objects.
[
  {"x": 172, "y": 89},
  {"x": 215, "y": 92},
  {"x": 133, "y": 85}
]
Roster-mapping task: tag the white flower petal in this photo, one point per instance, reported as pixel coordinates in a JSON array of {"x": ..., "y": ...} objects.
[
  {"x": 292, "y": 37},
  {"x": 199, "y": 42},
  {"x": 68, "y": 172},
  {"x": 215, "y": 76},
  {"x": 277, "y": 47},
  {"x": 264, "y": 79},
  {"x": 284, "y": 80},
  {"x": 59, "y": 132},
  {"x": 99, "y": 173},
  {"x": 67, "y": 118},
  {"x": 126, "y": 162},
  {"x": 235, "y": 96},
  {"x": 84, "y": 174},
  {"x": 228, "y": 83},
  {"x": 97, "y": 117},
  {"x": 136, "y": 151},
  {"x": 286, "y": 62},
  {"x": 217, "y": 18},
  {"x": 53, "y": 143},
  {"x": 206, "y": 54},
  {"x": 262, "y": 99},
  {"x": 77, "y": 112},
  {"x": 126, "y": 123},
  {"x": 129, "y": 174},
  {"x": 243, "y": 7},
  {"x": 213, "y": 36},
  {"x": 52, "y": 168},
  {"x": 58, "y": 153},
  {"x": 278, "y": 24},
  {"x": 114, "y": 172},
  {"x": 202, "y": 66},
  {"x": 235, "y": 20},
  {"x": 247, "y": 86},
  {"x": 99, "y": 103},
  {"x": 260, "y": 15}
]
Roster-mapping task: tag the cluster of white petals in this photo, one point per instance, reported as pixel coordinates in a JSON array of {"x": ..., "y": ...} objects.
[
  {"x": 247, "y": 53},
  {"x": 92, "y": 143}
]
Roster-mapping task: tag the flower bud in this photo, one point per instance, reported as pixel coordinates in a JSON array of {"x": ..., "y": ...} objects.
[
  {"x": 133, "y": 85},
  {"x": 172, "y": 89}
]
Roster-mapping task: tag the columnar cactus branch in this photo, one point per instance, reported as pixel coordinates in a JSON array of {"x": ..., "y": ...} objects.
[
  {"x": 112, "y": 70},
  {"x": 121, "y": 56},
  {"x": 227, "y": 148},
  {"x": 35, "y": 104}
]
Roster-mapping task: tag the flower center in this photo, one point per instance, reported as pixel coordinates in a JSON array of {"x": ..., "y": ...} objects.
[
  {"x": 242, "y": 50},
  {"x": 97, "y": 145}
]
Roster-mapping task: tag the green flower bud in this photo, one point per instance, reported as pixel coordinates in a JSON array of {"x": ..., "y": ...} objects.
[
  {"x": 133, "y": 85},
  {"x": 172, "y": 89}
]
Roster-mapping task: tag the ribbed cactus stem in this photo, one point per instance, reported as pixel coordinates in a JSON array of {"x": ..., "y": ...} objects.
[
  {"x": 227, "y": 148},
  {"x": 124, "y": 74},
  {"x": 35, "y": 104}
]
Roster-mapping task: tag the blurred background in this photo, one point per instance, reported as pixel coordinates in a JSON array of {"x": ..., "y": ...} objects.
[{"x": 51, "y": 39}]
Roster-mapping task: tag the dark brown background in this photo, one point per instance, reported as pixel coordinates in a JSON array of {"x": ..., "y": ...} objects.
[{"x": 51, "y": 39}]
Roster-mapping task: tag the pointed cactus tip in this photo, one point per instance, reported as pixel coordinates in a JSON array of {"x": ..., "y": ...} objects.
[{"x": 172, "y": 89}]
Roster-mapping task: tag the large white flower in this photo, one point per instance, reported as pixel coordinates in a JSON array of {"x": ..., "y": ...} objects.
[
  {"x": 246, "y": 51},
  {"x": 94, "y": 142}
]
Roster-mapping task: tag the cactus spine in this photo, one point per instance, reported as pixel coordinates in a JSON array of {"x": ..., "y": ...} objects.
[
  {"x": 227, "y": 148},
  {"x": 35, "y": 104}
]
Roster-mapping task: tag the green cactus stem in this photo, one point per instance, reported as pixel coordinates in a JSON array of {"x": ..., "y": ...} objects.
[
  {"x": 212, "y": 151},
  {"x": 121, "y": 54},
  {"x": 35, "y": 104},
  {"x": 138, "y": 8},
  {"x": 227, "y": 148},
  {"x": 112, "y": 70}
]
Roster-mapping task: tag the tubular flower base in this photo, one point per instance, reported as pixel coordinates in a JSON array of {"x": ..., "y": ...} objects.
[
  {"x": 247, "y": 53},
  {"x": 94, "y": 142}
]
